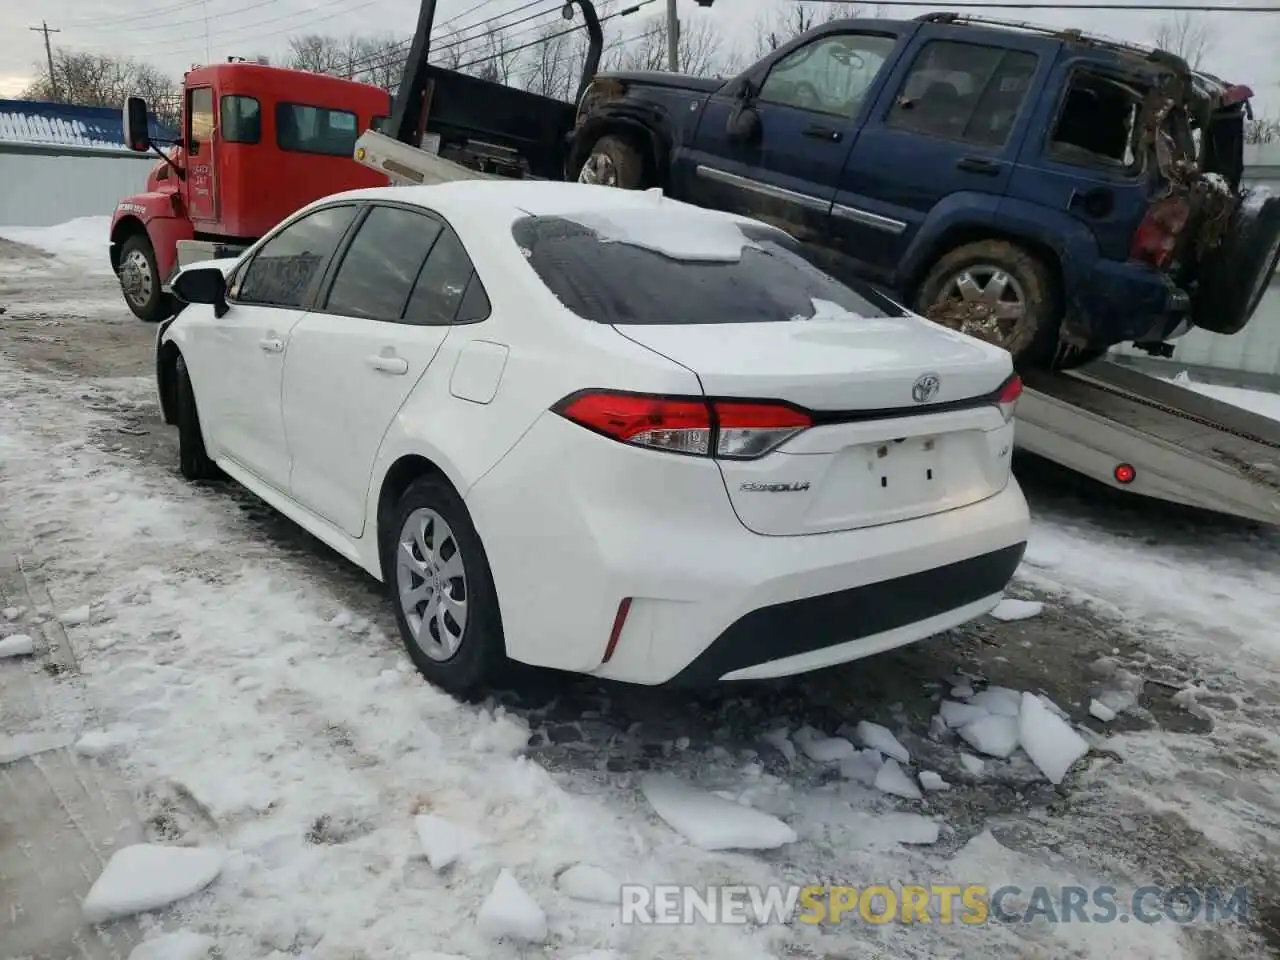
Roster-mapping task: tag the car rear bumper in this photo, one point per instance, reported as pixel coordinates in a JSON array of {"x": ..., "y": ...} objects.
[
  {"x": 1119, "y": 302},
  {"x": 707, "y": 598}
]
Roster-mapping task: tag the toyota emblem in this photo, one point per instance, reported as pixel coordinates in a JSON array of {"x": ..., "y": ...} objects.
[{"x": 925, "y": 388}]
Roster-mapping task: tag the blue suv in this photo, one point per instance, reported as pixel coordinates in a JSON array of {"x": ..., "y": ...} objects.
[{"x": 1046, "y": 190}]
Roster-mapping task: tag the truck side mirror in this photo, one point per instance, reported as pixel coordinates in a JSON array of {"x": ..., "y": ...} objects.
[{"x": 136, "y": 136}]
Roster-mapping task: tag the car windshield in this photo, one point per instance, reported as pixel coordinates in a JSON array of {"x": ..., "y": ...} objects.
[{"x": 694, "y": 269}]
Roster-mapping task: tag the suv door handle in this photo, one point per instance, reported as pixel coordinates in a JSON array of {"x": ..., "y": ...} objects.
[
  {"x": 384, "y": 363},
  {"x": 819, "y": 132},
  {"x": 271, "y": 344},
  {"x": 982, "y": 165}
]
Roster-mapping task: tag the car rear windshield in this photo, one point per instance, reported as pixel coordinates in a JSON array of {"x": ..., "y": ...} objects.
[{"x": 608, "y": 278}]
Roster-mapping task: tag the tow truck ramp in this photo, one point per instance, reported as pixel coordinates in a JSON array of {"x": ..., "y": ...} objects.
[{"x": 1147, "y": 436}]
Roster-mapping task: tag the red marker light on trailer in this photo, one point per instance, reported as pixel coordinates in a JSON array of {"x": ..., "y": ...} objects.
[{"x": 1124, "y": 473}]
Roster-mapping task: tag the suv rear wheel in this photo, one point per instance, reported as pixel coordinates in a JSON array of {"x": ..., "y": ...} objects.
[
  {"x": 999, "y": 292},
  {"x": 614, "y": 162}
]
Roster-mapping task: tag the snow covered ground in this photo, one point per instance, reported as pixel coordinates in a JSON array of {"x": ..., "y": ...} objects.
[{"x": 250, "y": 687}]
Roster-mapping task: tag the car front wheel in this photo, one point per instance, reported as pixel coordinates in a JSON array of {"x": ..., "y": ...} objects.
[{"x": 440, "y": 584}]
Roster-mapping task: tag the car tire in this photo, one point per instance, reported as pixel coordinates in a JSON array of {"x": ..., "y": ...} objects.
[
  {"x": 614, "y": 162},
  {"x": 1030, "y": 284},
  {"x": 1234, "y": 277},
  {"x": 140, "y": 280},
  {"x": 193, "y": 460},
  {"x": 426, "y": 585}
]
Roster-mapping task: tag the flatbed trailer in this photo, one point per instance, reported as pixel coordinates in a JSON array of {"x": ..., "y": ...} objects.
[
  {"x": 1154, "y": 438},
  {"x": 1128, "y": 430}
]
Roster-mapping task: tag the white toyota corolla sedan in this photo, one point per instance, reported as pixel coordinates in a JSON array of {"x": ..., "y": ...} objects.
[{"x": 601, "y": 431}]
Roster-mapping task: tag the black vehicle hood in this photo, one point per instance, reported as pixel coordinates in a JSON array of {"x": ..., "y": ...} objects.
[{"x": 661, "y": 78}]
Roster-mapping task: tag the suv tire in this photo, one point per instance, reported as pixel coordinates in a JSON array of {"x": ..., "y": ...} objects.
[
  {"x": 614, "y": 162},
  {"x": 976, "y": 277},
  {"x": 1235, "y": 276}
]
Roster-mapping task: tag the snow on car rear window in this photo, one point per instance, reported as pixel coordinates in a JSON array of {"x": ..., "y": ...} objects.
[{"x": 629, "y": 271}]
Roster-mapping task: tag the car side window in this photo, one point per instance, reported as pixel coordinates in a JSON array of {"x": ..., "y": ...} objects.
[
  {"x": 379, "y": 269},
  {"x": 964, "y": 91},
  {"x": 830, "y": 75},
  {"x": 283, "y": 270},
  {"x": 446, "y": 284}
]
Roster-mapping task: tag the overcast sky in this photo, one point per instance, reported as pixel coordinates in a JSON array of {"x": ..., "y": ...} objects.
[{"x": 1242, "y": 49}]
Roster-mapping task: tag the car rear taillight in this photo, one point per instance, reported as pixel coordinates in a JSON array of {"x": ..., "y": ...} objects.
[
  {"x": 731, "y": 429},
  {"x": 1156, "y": 238},
  {"x": 1006, "y": 397}
]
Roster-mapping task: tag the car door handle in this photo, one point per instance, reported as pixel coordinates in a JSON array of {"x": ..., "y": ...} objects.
[
  {"x": 819, "y": 132},
  {"x": 982, "y": 165},
  {"x": 389, "y": 364},
  {"x": 271, "y": 344}
]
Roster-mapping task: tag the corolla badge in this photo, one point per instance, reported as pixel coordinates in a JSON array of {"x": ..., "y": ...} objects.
[{"x": 925, "y": 388}]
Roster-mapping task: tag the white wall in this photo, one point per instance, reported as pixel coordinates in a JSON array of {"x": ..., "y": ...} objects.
[{"x": 47, "y": 186}]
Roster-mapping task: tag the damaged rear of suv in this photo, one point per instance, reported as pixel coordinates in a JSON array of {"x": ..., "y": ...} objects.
[{"x": 1050, "y": 191}]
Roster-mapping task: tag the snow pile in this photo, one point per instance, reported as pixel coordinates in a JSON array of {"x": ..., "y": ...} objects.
[
  {"x": 711, "y": 822},
  {"x": 83, "y": 242},
  {"x": 1255, "y": 401},
  {"x": 148, "y": 876},
  {"x": 444, "y": 842},
  {"x": 508, "y": 912}
]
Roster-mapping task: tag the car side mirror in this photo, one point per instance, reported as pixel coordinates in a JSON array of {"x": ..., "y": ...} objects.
[
  {"x": 202, "y": 285},
  {"x": 743, "y": 125},
  {"x": 136, "y": 135}
]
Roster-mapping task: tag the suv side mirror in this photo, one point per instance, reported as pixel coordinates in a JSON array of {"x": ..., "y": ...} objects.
[
  {"x": 202, "y": 285},
  {"x": 136, "y": 136}
]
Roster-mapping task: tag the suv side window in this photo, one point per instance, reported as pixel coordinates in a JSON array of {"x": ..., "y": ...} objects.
[
  {"x": 448, "y": 289},
  {"x": 964, "y": 91},
  {"x": 830, "y": 75},
  {"x": 284, "y": 269},
  {"x": 379, "y": 269}
]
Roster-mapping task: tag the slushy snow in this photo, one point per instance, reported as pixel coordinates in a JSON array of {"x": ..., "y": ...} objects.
[
  {"x": 993, "y": 735},
  {"x": 583, "y": 881},
  {"x": 443, "y": 841},
  {"x": 1011, "y": 609},
  {"x": 1049, "y": 741},
  {"x": 876, "y": 737},
  {"x": 98, "y": 743},
  {"x": 178, "y": 945},
  {"x": 891, "y": 778},
  {"x": 148, "y": 876},
  {"x": 18, "y": 645},
  {"x": 510, "y": 913},
  {"x": 712, "y": 823}
]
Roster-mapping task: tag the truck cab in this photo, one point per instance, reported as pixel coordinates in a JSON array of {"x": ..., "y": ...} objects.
[{"x": 256, "y": 143}]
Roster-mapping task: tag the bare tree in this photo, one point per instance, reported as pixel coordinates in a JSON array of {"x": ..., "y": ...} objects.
[
  {"x": 97, "y": 80},
  {"x": 1187, "y": 35},
  {"x": 1261, "y": 130},
  {"x": 784, "y": 24},
  {"x": 697, "y": 50},
  {"x": 550, "y": 69}
]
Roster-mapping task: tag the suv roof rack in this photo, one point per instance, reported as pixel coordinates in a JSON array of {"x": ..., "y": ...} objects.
[{"x": 1069, "y": 35}]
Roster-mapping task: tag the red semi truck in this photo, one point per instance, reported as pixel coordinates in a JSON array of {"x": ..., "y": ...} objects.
[{"x": 256, "y": 143}]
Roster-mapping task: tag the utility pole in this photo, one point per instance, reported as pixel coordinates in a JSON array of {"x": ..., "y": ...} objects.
[
  {"x": 48, "y": 52},
  {"x": 673, "y": 37}
]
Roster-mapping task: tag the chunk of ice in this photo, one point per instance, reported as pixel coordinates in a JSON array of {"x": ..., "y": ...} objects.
[
  {"x": 993, "y": 735},
  {"x": 710, "y": 822},
  {"x": 1001, "y": 701},
  {"x": 582, "y": 881},
  {"x": 18, "y": 645},
  {"x": 876, "y": 737},
  {"x": 148, "y": 876},
  {"x": 1010, "y": 609},
  {"x": 826, "y": 750},
  {"x": 891, "y": 778},
  {"x": 932, "y": 781},
  {"x": 1101, "y": 711},
  {"x": 444, "y": 841},
  {"x": 1049, "y": 741},
  {"x": 508, "y": 912},
  {"x": 956, "y": 715},
  {"x": 178, "y": 945},
  {"x": 862, "y": 767},
  {"x": 973, "y": 765}
]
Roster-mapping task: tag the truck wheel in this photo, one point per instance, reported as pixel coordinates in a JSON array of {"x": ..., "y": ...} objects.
[
  {"x": 193, "y": 459},
  {"x": 999, "y": 292},
  {"x": 140, "y": 280},
  {"x": 442, "y": 589},
  {"x": 614, "y": 162}
]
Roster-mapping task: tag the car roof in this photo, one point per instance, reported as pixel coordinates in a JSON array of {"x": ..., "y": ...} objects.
[{"x": 509, "y": 200}]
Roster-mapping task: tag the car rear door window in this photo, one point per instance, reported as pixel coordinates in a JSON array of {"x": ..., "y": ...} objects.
[
  {"x": 285, "y": 270},
  {"x": 448, "y": 289},
  {"x": 830, "y": 75},
  {"x": 612, "y": 281},
  {"x": 964, "y": 91},
  {"x": 380, "y": 267}
]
